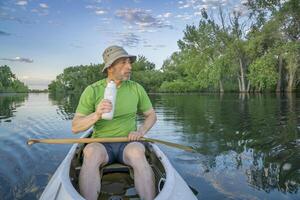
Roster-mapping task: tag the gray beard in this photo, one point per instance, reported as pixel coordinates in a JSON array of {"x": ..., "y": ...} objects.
[{"x": 126, "y": 79}]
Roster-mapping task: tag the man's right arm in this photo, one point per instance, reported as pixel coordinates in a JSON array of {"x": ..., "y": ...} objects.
[{"x": 83, "y": 122}]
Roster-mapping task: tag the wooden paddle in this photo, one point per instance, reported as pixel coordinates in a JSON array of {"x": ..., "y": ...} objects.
[{"x": 114, "y": 139}]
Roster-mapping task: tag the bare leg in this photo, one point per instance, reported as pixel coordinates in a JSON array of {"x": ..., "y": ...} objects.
[
  {"x": 134, "y": 156},
  {"x": 89, "y": 178}
]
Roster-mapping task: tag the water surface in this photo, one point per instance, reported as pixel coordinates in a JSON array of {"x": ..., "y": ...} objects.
[{"x": 247, "y": 146}]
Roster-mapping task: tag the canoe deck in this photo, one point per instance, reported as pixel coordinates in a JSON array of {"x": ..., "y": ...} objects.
[{"x": 117, "y": 181}]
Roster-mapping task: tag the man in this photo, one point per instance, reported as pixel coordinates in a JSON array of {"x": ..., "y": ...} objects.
[{"x": 131, "y": 97}]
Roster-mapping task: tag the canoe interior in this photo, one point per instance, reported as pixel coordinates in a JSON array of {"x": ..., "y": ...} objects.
[{"x": 117, "y": 180}]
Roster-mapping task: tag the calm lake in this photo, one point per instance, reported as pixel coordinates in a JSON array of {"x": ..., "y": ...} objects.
[{"x": 248, "y": 147}]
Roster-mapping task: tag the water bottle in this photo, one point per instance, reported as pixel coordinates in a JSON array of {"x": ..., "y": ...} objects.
[{"x": 110, "y": 93}]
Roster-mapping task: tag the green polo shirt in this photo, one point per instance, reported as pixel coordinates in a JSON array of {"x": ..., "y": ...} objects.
[{"x": 131, "y": 98}]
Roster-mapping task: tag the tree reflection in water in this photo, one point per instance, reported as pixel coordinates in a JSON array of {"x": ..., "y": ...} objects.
[
  {"x": 261, "y": 130},
  {"x": 8, "y": 104},
  {"x": 66, "y": 103}
]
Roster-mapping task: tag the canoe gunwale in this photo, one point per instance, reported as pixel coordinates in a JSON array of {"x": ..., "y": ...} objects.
[
  {"x": 170, "y": 177},
  {"x": 61, "y": 177}
]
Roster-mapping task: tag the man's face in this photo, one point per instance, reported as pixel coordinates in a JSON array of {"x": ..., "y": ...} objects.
[{"x": 121, "y": 69}]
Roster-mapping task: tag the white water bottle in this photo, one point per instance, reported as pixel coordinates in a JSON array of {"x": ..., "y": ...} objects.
[{"x": 110, "y": 94}]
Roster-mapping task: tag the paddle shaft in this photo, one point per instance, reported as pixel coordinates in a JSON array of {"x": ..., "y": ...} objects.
[
  {"x": 76, "y": 140},
  {"x": 114, "y": 139}
]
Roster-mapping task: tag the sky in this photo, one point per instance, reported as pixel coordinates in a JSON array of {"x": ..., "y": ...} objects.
[{"x": 39, "y": 38}]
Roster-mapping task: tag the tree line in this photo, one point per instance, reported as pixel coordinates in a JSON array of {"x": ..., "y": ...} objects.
[
  {"x": 9, "y": 82},
  {"x": 256, "y": 52},
  {"x": 75, "y": 79}
]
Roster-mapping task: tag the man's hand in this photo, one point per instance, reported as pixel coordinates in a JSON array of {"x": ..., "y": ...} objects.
[
  {"x": 150, "y": 119},
  {"x": 104, "y": 106},
  {"x": 135, "y": 135}
]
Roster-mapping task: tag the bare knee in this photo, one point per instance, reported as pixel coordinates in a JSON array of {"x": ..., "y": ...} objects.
[
  {"x": 134, "y": 154},
  {"x": 95, "y": 154}
]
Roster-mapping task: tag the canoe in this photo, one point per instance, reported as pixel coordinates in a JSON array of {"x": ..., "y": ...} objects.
[{"x": 117, "y": 179}]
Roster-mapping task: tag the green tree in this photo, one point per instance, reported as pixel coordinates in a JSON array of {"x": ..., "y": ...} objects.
[
  {"x": 262, "y": 72},
  {"x": 201, "y": 47},
  {"x": 75, "y": 79},
  {"x": 142, "y": 64},
  {"x": 282, "y": 31},
  {"x": 6, "y": 76},
  {"x": 292, "y": 57},
  {"x": 9, "y": 81},
  {"x": 143, "y": 72}
]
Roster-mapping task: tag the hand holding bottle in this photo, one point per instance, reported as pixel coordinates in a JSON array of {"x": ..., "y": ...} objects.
[
  {"x": 105, "y": 106},
  {"x": 110, "y": 94}
]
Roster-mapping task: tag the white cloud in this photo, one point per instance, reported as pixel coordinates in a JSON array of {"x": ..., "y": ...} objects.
[
  {"x": 142, "y": 30},
  {"x": 106, "y": 20},
  {"x": 18, "y": 59},
  {"x": 154, "y": 46},
  {"x": 168, "y": 14},
  {"x": 128, "y": 39},
  {"x": 96, "y": 9},
  {"x": 184, "y": 17},
  {"x": 34, "y": 10},
  {"x": 184, "y": 6},
  {"x": 40, "y": 11},
  {"x": 142, "y": 18},
  {"x": 198, "y": 4},
  {"x": 43, "y": 5},
  {"x": 22, "y": 3},
  {"x": 89, "y": 6},
  {"x": 205, "y": 6},
  {"x": 100, "y": 12},
  {"x": 198, "y": 13}
]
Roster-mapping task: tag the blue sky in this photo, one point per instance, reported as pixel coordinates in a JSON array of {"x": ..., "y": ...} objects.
[{"x": 39, "y": 38}]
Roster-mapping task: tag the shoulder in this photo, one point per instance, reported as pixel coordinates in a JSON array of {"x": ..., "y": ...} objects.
[
  {"x": 91, "y": 89},
  {"x": 100, "y": 83},
  {"x": 134, "y": 84}
]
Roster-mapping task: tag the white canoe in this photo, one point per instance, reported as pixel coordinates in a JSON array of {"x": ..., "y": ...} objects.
[{"x": 169, "y": 184}]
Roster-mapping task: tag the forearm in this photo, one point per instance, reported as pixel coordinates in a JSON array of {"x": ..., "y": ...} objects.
[
  {"x": 82, "y": 123},
  {"x": 148, "y": 123}
]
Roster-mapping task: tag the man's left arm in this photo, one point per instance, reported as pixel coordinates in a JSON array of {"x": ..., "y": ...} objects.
[{"x": 150, "y": 119}]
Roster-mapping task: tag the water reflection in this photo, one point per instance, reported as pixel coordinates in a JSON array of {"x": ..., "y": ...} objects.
[
  {"x": 8, "y": 105},
  {"x": 257, "y": 135},
  {"x": 24, "y": 171},
  {"x": 66, "y": 103},
  {"x": 248, "y": 145}
]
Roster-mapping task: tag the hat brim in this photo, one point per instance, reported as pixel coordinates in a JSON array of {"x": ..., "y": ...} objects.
[{"x": 107, "y": 65}]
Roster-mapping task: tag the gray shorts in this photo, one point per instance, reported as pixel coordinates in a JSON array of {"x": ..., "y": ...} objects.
[{"x": 115, "y": 151}]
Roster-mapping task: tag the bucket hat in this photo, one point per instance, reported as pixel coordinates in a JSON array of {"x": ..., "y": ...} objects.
[{"x": 112, "y": 53}]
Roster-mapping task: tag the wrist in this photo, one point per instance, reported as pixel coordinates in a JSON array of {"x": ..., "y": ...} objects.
[
  {"x": 97, "y": 116},
  {"x": 141, "y": 131}
]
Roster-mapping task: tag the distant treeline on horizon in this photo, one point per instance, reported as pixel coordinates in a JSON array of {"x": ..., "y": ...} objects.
[{"x": 9, "y": 83}]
